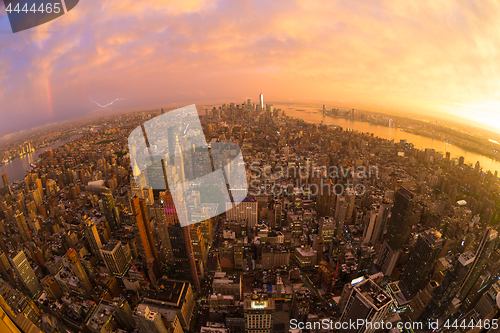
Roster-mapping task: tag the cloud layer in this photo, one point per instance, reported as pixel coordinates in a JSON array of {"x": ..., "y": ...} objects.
[{"x": 417, "y": 56}]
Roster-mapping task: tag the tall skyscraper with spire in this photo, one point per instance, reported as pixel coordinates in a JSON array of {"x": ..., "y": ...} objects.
[
  {"x": 179, "y": 162},
  {"x": 261, "y": 101}
]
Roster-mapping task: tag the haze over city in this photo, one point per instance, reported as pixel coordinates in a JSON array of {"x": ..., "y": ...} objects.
[
  {"x": 423, "y": 57},
  {"x": 249, "y": 166}
]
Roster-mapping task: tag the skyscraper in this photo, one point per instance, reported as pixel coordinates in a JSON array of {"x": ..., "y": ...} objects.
[
  {"x": 179, "y": 162},
  {"x": 77, "y": 268},
  {"x": 109, "y": 205},
  {"x": 162, "y": 231},
  {"x": 149, "y": 321},
  {"x": 326, "y": 199},
  {"x": 419, "y": 267},
  {"x": 92, "y": 238},
  {"x": 4, "y": 179},
  {"x": 115, "y": 258},
  {"x": 383, "y": 216},
  {"x": 397, "y": 229},
  {"x": 449, "y": 286},
  {"x": 180, "y": 240},
  {"x": 259, "y": 313},
  {"x": 245, "y": 211},
  {"x": 483, "y": 252},
  {"x": 368, "y": 302},
  {"x": 12, "y": 322},
  {"x": 26, "y": 274},
  {"x": 420, "y": 302},
  {"x": 261, "y": 101},
  {"x": 124, "y": 313},
  {"x": 22, "y": 226},
  {"x": 143, "y": 224}
]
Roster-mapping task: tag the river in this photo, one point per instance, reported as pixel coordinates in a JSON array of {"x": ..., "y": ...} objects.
[
  {"x": 18, "y": 167},
  {"x": 311, "y": 115}
]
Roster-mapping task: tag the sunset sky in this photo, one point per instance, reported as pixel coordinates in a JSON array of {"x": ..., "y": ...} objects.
[{"x": 430, "y": 57}]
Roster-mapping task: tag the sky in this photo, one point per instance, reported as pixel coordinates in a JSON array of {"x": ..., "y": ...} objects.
[{"x": 435, "y": 58}]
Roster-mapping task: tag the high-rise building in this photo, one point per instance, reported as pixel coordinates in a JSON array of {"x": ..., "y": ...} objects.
[
  {"x": 4, "y": 179},
  {"x": 449, "y": 286},
  {"x": 115, "y": 258},
  {"x": 261, "y": 101},
  {"x": 179, "y": 163},
  {"x": 77, "y": 268},
  {"x": 483, "y": 252},
  {"x": 420, "y": 302},
  {"x": 12, "y": 322},
  {"x": 109, "y": 205},
  {"x": 180, "y": 240},
  {"x": 326, "y": 199},
  {"x": 124, "y": 313},
  {"x": 198, "y": 244},
  {"x": 368, "y": 302},
  {"x": 327, "y": 228},
  {"x": 371, "y": 220},
  {"x": 149, "y": 321},
  {"x": 50, "y": 285},
  {"x": 141, "y": 215},
  {"x": 244, "y": 211},
  {"x": 26, "y": 274},
  {"x": 4, "y": 265},
  {"x": 162, "y": 232},
  {"x": 398, "y": 226},
  {"x": 102, "y": 319},
  {"x": 259, "y": 313},
  {"x": 92, "y": 237},
  {"x": 419, "y": 266},
  {"x": 341, "y": 210},
  {"x": 22, "y": 226},
  {"x": 383, "y": 216},
  {"x": 320, "y": 245}
]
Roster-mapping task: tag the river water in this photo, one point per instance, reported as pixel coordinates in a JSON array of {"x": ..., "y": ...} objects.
[
  {"x": 311, "y": 115},
  {"x": 18, "y": 168}
]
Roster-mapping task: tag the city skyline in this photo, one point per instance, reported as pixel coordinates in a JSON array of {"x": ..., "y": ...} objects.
[
  {"x": 427, "y": 58},
  {"x": 250, "y": 166},
  {"x": 413, "y": 241}
]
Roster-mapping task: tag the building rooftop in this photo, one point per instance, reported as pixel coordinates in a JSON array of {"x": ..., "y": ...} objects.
[
  {"x": 101, "y": 315},
  {"x": 466, "y": 258},
  {"x": 373, "y": 293},
  {"x": 110, "y": 245},
  {"x": 305, "y": 252},
  {"x": 170, "y": 292}
]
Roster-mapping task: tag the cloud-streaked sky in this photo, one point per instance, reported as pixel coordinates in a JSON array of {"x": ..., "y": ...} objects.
[{"x": 419, "y": 56}]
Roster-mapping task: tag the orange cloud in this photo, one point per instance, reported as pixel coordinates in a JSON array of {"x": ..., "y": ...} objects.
[{"x": 437, "y": 58}]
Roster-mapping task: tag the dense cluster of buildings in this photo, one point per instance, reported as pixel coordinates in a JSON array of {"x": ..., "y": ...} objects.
[{"x": 337, "y": 226}]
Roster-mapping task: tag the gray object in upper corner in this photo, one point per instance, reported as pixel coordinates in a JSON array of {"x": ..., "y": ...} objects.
[{"x": 27, "y": 14}]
